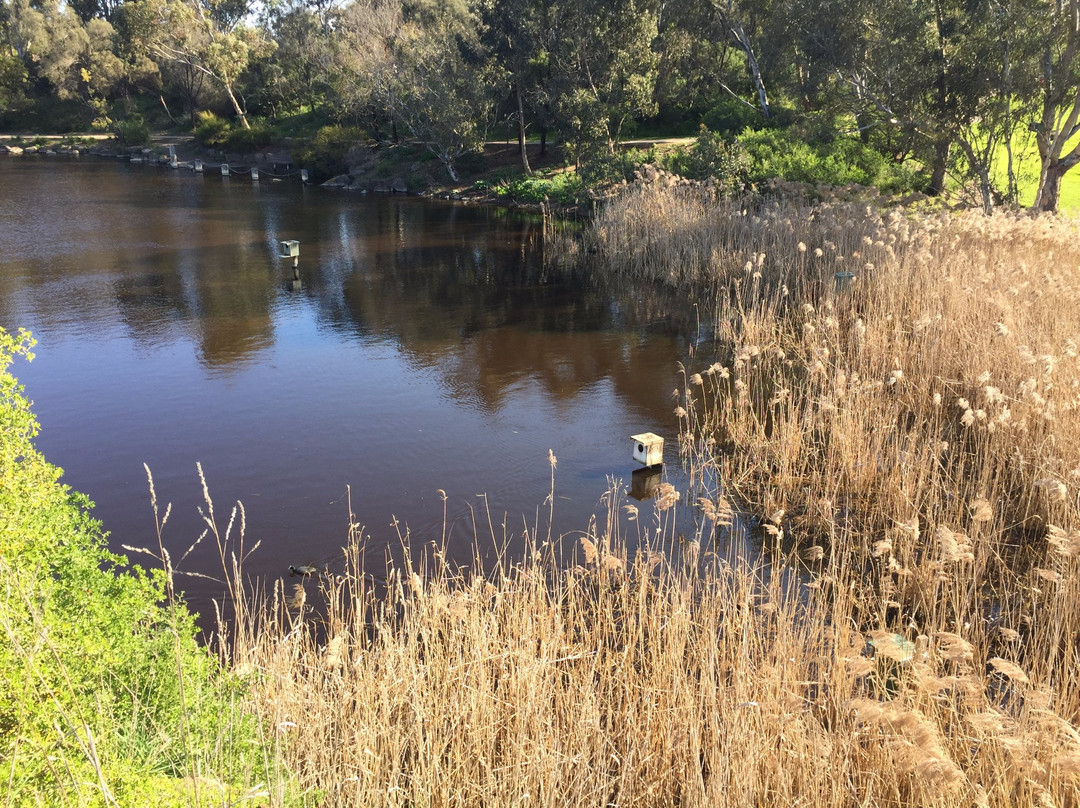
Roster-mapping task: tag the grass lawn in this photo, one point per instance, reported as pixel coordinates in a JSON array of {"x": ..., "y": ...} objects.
[{"x": 1026, "y": 160}]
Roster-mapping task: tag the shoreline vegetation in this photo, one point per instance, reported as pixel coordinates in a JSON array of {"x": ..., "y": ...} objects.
[
  {"x": 766, "y": 161},
  {"x": 769, "y": 163},
  {"x": 892, "y": 401}
]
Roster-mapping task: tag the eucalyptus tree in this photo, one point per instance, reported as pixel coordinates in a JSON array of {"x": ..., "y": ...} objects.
[
  {"x": 299, "y": 71},
  {"x": 95, "y": 9},
  {"x": 75, "y": 59},
  {"x": 14, "y": 76},
  {"x": 439, "y": 91},
  {"x": 990, "y": 95},
  {"x": 517, "y": 36},
  {"x": 421, "y": 66},
  {"x": 697, "y": 66},
  {"x": 209, "y": 38},
  {"x": 14, "y": 82},
  {"x": 362, "y": 60},
  {"x": 741, "y": 22},
  {"x": 603, "y": 70},
  {"x": 1058, "y": 74}
]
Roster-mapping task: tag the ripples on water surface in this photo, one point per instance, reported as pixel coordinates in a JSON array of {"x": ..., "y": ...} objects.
[{"x": 428, "y": 349}]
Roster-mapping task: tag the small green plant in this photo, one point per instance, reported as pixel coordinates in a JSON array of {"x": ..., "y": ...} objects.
[
  {"x": 326, "y": 154},
  {"x": 132, "y": 131},
  {"x": 102, "y": 683},
  {"x": 211, "y": 130},
  {"x": 712, "y": 157}
]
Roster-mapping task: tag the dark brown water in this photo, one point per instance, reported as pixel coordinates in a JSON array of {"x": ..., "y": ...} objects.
[{"x": 428, "y": 349}]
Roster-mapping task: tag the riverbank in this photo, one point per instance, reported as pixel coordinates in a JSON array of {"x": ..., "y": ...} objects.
[
  {"x": 496, "y": 177},
  {"x": 764, "y": 160},
  {"x": 334, "y": 158}
]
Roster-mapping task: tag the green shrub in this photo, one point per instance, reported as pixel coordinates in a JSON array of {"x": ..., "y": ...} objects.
[
  {"x": 215, "y": 132},
  {"x": 326, "y": 154},
  {"x": 775, "y": 154},
  {"x": 606, "y": 168},
  {"x": 132, "y": 131},
  {"x": 101, "y": 678},
  {"x": 564, "y": 188},
  {"x": 59, "y": 116},
  {"x": 730, "y": 117},
  {"x": 473, "y": 163},
  {"x": 711, "y": 157},
  {"x": 211, "y": 130},
  {"x": 258, "y": 136}
]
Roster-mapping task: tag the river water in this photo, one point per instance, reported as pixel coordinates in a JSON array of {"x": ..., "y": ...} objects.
[{"x": 428, "y": 349}]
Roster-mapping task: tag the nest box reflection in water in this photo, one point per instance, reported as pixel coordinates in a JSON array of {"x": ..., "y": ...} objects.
[{"x": 644, "y": 483}]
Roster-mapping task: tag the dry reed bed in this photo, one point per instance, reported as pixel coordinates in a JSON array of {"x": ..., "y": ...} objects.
[
  {"x": 652, "y": 680},
  {"x": 913, "y": 449}
]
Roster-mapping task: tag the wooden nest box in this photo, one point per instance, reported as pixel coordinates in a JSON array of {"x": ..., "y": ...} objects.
[{"x": 648, "y": 449}]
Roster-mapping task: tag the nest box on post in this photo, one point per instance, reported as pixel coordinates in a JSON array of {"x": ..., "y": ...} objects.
[{"x": 648, "y": 449}]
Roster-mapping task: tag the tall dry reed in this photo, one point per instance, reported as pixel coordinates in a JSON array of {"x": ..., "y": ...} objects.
[{"x": 911, "y": 451}]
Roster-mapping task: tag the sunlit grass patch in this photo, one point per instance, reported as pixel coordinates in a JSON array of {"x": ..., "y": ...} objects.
[{"x": 1026, "y": 166}]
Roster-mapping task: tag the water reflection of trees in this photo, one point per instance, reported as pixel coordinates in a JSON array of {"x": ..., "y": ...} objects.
[
  {"x": 467, "y": 292},
  {"x": 168, "y": 256},
  {"x": 461, "y": 290}
]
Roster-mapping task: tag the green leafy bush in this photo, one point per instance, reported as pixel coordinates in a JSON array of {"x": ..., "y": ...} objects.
[
  {"x": 473, "y": 162},
  {"x": 211, "y": 130},
  {"x": 775, "y": 154},
  {"x": 606, "y": 168},
  {"x": 564, "y": 188},
  {"x": 215, "y": 132},
  {"x": 258, "y": 136},
  {"x": 326, "y": 154},
  {"x": 711, "y": 157},
  {"x": 730, "y": 117},
  {"x": 102, "y": 683},
  {"x": 132, "y": 131}
]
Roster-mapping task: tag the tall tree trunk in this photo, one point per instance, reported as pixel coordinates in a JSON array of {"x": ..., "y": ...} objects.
[
  {"x": 743, "y": 41},
  {"x": 376, "y": 132},
  {"x": 1049, "y": 189},
  {"x": 521, "y": 131},
  {"x": 1049, "y": 194},
  {"x": 980, "y": 165},
  {"x": 863, "y": 123},
  {"x": 1052, "y": 133},
  {"x": 236, "y": 105},
  {"x": 1012, "y": 191},
  {"x": 448, "y": 163},
  {"x": 941, "y": 145},
  {"x": 940, "y": 165}
]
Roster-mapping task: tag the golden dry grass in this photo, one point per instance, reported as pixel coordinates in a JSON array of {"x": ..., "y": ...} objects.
[{"x": 910, "y": 633}]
